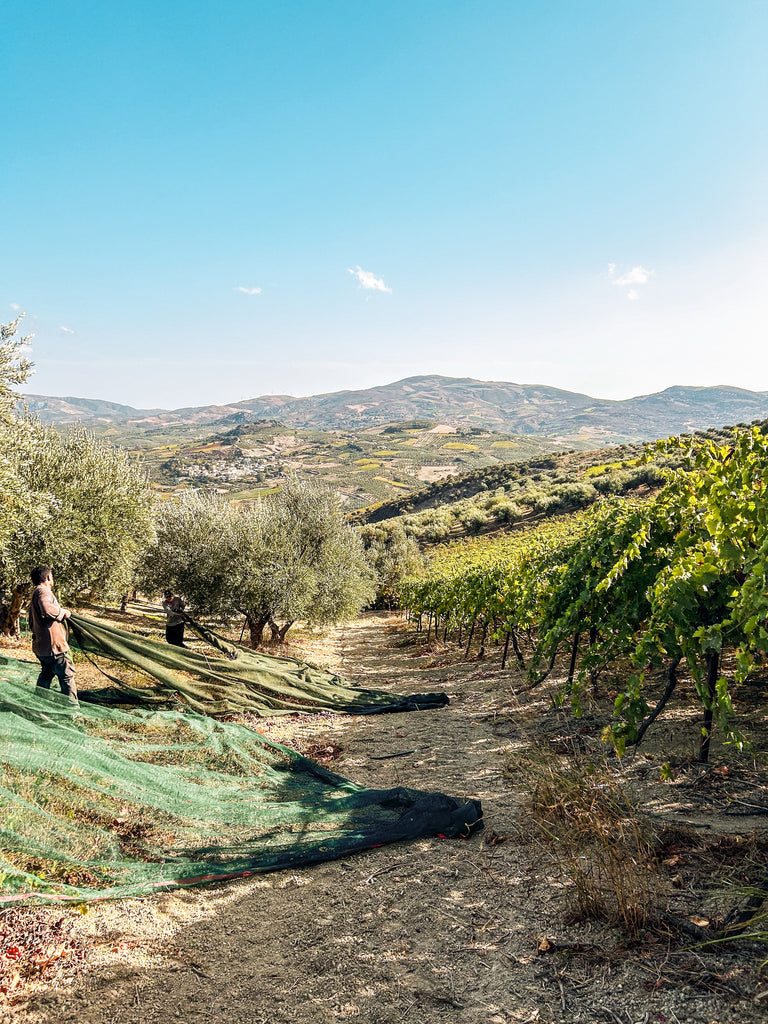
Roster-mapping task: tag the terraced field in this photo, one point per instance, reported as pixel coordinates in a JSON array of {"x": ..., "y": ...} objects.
[{"x": 365, "y": 467}]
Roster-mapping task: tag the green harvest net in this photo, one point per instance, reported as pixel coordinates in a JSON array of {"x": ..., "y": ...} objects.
[
  {"x": 104, "y": 802},
  {"x": 237, "y": 679}
]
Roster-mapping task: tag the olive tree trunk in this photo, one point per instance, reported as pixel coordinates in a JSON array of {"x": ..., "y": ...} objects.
[
  {"x": 9, "y": 613},
  {"x": 256, "y": 624}
]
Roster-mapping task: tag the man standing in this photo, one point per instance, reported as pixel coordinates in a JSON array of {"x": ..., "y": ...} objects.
[
  {"x": 173, "y": 606},
  {"x": 49, "y": 637}
]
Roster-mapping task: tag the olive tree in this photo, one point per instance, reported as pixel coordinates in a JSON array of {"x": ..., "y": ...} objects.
[
  {"x": 80, "y": 505},
  {"x": 15, "y": 368},
  {"x": 288, "y": 556},
  {"x": 393, "y": 555},
  {"x": 16, "y": 504},
  {"x": 73, "y": 502}
]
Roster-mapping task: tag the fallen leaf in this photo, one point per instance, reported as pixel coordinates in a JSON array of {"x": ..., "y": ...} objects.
[{"x": 493, "y": 838}]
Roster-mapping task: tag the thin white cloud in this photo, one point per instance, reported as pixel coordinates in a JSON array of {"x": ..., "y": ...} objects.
[
  {"x": 369, "y": 281},
  {"x": 247, "y": 291},
  {"x": 637, "y": 275},
  {"x": 16, "y": 306},
  {"x": 67, "y": 330},
  {"x": 632, "y": 279}
]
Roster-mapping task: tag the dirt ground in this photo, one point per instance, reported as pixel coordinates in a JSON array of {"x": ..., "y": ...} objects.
[{"x": 481, "y": 931}]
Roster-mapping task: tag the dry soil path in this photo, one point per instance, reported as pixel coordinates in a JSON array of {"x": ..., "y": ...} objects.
[{"x": 430, "y": 931}]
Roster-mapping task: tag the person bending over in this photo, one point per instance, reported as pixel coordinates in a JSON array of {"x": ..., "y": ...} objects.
[
  {"x": 49, "y": 637},
  {"x": 173, "y": 606}
]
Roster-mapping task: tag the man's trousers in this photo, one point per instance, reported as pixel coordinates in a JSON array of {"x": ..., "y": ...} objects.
[{"x": 58, "y": 666}]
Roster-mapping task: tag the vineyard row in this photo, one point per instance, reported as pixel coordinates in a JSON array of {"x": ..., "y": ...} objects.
[{"x": 676, "y": 580}]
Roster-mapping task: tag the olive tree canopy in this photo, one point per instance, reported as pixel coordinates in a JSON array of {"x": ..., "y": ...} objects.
[
  {"x": 288, "y": 556},
  {"x": 15, "y": 368},
  {"x": 73, "y": 502},
  {"x": 393, "y": 556},
  {"x": 79, "y": 505}
]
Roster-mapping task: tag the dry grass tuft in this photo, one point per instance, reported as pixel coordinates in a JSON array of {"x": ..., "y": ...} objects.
[{"x": 597, "y": 839}]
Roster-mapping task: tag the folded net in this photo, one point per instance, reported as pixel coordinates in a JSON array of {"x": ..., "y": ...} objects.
[{"x": 235, "y": 679}]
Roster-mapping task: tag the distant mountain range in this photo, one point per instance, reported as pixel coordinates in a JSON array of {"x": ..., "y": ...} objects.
[{"x": 512, "y": 408}]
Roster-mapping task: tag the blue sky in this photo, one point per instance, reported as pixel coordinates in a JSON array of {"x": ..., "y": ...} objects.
[{"x": 204, "y": 203}]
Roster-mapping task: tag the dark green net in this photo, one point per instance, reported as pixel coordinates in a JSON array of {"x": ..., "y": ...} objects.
[
  {"x": 234, "y": 678},
  {"x": 103, "y": 802}
]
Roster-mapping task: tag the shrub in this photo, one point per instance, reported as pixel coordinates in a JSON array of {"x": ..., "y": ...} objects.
[{"x": 598, "y": 840}]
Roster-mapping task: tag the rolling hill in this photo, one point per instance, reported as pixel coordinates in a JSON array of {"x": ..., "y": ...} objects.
[{"x": 515, "y": 408}]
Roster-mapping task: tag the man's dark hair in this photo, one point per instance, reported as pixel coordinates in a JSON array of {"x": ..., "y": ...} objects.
[{"x": 40, "y": 574}]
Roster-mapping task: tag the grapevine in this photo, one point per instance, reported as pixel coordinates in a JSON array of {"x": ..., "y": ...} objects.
[{"x": 678, "y": 577}]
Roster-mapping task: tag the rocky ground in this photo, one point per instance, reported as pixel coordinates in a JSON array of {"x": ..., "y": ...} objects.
[{"x": 483, "y": 931}]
